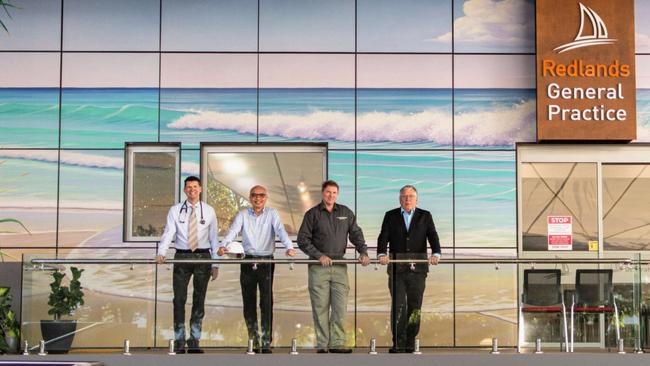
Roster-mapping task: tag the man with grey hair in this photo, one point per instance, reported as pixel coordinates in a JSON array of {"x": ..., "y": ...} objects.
[
  {"x": 259, "y": 225},
  {"x": 404, "y": 234}
]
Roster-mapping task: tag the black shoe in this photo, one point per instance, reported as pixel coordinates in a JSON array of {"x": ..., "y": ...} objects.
[
  {"x": 256, "y": 350},
  {"x": 409, "y": 350},
  {"x": 180, "y": 351},
  {"x": 321, "y": 350},
  {"x": 266, "y": 350},
  {"x": 340, "y": 350},
  {"x": 393, "y": 350},
  {"x": 195, "y": 350}
]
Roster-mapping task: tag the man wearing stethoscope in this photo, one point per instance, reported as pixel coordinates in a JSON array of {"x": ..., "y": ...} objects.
[{"x": 193, "y": 224}]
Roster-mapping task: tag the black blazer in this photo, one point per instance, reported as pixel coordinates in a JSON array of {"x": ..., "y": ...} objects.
[{"x": 408, "y": 244}]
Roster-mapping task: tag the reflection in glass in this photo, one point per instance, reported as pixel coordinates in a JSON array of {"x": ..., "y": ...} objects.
[
  {"x": 291, "y": 175},
  {"x": 486, "y": 304},
  {"x": 119, "y": 300},
  {"x": 152, "y": 190},
  {"x": 626, "y": 218},
  {"x": 562, "y": 189}
]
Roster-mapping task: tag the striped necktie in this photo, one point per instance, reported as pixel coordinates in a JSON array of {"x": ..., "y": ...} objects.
[{"x": 193, "y": 240}]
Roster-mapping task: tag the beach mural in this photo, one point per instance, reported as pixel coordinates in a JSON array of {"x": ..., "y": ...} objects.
[{"x": 446, "y": 124}]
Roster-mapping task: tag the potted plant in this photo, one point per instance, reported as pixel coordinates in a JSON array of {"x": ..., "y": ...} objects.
[
  {"x": 58, "y": 334},
  {"x": 9, "y": 326}
]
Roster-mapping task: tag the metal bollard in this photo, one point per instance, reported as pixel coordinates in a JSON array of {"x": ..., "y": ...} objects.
[
  {"x": 538, "y": 346},
  {"x": 416, "y": 349},
  {"x": 127, "y": 348},
  {"x": 412, "y": 266},
  {"x": 171, "y": 351},
  {"x": 495, "y": 346},
  {"x": 294, "y": 347},
  {"x": 373, "y": 346},
  {"x": 41, "y": 348},
  {"x": 26, "y": 349},
  {"x": 637, "y": 346},
  {"x": 254, "y": 266},
  {"x": 250, "y": 351},
  {"x": 621, "y": 346}
]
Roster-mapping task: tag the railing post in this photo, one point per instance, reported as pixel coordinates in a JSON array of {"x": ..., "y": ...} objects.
[
  {"x": 249, "y": 350},
  {"x": 373, "y": 346},
  {"x": 495, "y": 346},
  {"x": 294, "y": 347},
  {"x": 171, "y": 350},
  {"x": 127, "y": 348},
  {"x": 538, "y": 346},
  {"x": 416, "y": 349},
  {"x": 41, "y": 348}
]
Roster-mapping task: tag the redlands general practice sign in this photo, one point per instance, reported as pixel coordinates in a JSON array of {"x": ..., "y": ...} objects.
[{"x": 586, "y": 86}]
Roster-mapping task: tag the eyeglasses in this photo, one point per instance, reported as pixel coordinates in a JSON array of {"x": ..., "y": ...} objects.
[{"x": 258, "y": 195}]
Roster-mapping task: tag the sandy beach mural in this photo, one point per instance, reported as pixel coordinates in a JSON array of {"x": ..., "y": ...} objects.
[{"x": 393, "y": 101}]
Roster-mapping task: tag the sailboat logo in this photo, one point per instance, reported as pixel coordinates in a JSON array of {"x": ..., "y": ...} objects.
[{"x": 598, "y": 37}]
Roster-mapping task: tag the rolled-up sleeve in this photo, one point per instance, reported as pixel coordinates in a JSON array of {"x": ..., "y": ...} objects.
[{"x": 168, "y": 234}]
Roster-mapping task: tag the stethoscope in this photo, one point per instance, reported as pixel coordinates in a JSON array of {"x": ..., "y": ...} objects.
[{"x": 182, "y": 218}]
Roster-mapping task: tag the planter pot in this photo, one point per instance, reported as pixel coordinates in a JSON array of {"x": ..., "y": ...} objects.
[
  {"x": 61, "y": 332},
  {"x": 12, "y": 342}
]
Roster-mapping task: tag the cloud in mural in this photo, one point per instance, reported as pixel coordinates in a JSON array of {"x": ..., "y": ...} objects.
[
  {"x": 642, "y": 42},
  {"x": 493, "y": 24}
]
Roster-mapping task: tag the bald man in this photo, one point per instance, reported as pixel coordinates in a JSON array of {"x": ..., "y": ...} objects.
[{"x": 258, "y": 225}]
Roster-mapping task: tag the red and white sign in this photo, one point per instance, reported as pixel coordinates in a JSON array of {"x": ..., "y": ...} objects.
[{"x": 560, "y": 232}]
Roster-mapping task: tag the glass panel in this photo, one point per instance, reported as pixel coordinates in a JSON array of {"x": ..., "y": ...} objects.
[
  {"x": 223, "y": 25},
  {"x": 31, "y": 26},
  {"x": 208, "y": 97},
  {"x": 152, "y": 187},
  {"x": 121, "y": 25},
  {"x": 494, "y": 26},
  {"x": 108, "y": 99},
  {"x": 380, "y": 177},
  {"x": 29, "y": 100},
  {"x": 118, "y": 299},
  {"x": 314, "y": 26},
  {"x": 291, "y": 175},
  {"x": 28, "y": 194},
  {"x": 625, "y": 206},
  {"x": 494, "y": 100},
  {"x": 485, "y": 199},
  {"x": 307, "y": 98},
  {"x": 408, "y": 26},
  {"x": 486, "y": 304},
  {"x": 558, "y": 189},
  {"x": 404, "y": 101}
]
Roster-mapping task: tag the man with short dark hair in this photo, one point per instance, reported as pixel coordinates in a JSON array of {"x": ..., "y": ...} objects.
[
  {"x": 324, "y": 236},
  {"x": 194, "y": 226},
  {"x": 406, "y": 230},
  {"x": 259, "y": 225}
]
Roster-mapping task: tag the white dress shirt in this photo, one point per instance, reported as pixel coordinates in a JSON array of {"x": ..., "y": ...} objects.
[
  {"x": 178, "y": 225},
  {"x": 258, "y": 232}
]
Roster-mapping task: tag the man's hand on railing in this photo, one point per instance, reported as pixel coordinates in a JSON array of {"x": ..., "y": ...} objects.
[
  {"x": 325, "y": 261},
  {"x": 222, "y": 251},
  {"x": 383, "y": 260},
  {"x": 290, "y": 252},
  {"x": 434, "y": 259},
  {"x": 364, "y": 259},
  {"x": 160, "y": 259}
]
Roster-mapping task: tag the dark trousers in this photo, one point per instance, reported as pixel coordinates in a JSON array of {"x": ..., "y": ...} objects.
[
  {"x": 250, "y": 280},
  {"x": 406, "y": 289},
  {"x": 182, "y": 274}
]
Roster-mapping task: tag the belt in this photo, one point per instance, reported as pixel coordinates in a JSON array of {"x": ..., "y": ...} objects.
[
  {"x": 199, "y": 250},
  {"x": 258, "y": 256}
]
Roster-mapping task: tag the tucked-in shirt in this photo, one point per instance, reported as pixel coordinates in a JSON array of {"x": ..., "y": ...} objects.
[
  {"x": 258, "y": 232},
  {"x": 326, "y": 233},
  {"x": 178, "y": 226}
]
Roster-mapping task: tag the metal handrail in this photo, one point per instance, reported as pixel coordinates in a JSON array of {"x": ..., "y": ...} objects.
[{"x": 625, "y": 261}]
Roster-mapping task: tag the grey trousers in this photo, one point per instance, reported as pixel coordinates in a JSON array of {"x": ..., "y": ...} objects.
[{"x": 328, "y": 289}]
